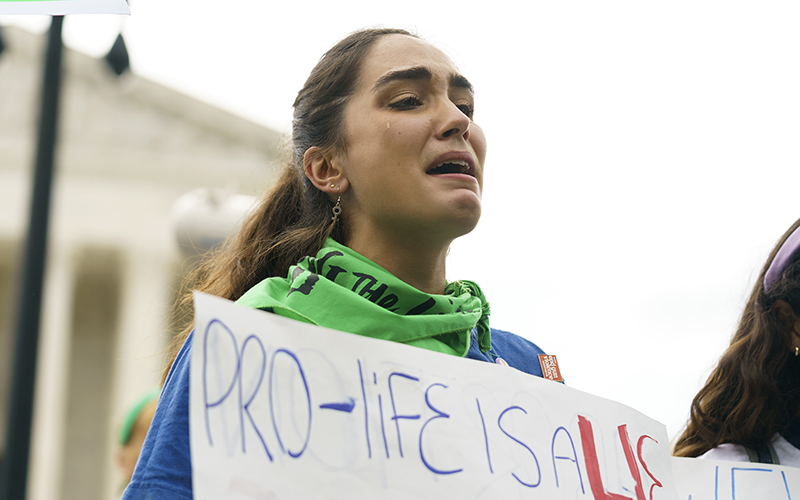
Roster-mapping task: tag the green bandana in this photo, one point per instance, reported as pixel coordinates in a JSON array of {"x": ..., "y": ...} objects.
[{"x": 342, "y": 290}]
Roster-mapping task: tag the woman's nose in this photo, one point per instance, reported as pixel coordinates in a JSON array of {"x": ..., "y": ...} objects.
[{"x": 454, "y": 123}]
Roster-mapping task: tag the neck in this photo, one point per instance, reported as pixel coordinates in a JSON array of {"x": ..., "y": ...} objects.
[{"x": 419, "y": 265}]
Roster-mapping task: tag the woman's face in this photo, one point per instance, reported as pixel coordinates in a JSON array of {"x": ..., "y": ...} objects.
[{"x": 414, "y": 158}]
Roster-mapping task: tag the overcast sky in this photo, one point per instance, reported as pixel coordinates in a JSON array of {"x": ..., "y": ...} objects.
[{"x": 643, "y": 157}]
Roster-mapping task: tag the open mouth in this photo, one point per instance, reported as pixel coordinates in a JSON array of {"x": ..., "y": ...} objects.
[{"x": 451, "y": 167}]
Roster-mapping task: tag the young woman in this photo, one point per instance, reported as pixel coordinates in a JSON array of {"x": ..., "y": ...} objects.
[
  {"x": 387, "y": 171},
  {"x": 749, "y": 409}
]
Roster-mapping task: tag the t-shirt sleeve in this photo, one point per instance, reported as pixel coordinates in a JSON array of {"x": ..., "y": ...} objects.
[{"x": 164, "y": 468}]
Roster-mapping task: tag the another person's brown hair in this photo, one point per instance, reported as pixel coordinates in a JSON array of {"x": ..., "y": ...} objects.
[
  {"x": 294, "y": 219},
  {"x": 754, "y": 391}
]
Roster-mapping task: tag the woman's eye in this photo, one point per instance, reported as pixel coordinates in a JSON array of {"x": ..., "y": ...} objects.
[
  {"x": 467, "y": 109},
  {"x": 409, "y": 102}
]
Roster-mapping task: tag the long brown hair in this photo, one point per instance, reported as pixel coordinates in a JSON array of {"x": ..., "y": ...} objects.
[
  {"x": 294, "y": 219},
  {"x": 754, "y": 391}
]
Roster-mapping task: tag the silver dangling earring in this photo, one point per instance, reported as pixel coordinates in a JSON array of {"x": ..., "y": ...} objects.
[
  {"x": 797, "y": 351},
  {"x": 337, "y": 209}
]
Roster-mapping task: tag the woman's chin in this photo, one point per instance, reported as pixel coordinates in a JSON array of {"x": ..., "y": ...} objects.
[{"x": 462, "y": 222}]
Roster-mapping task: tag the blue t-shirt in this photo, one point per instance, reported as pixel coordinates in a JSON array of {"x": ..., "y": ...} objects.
[{"x": 164, "y": 468}]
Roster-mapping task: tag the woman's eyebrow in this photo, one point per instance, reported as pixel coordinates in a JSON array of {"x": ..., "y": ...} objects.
[
  {"x": 415, "y": 73},
  {"x": 461, "y": 81},
  {"x": 420, "y": 73}
]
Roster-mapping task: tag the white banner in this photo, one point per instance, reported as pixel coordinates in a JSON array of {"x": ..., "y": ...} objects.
[
  {"x": 281, "y": 409},
  {"x": 63, "y": 7},
  {"x": 718, "y": 480}
]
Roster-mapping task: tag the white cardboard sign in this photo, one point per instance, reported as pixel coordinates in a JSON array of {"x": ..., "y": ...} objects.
[
  {"x": 282, "y": 409},
  {"x": 63, "y": 7},
  {"x": 721, "y": 480}
]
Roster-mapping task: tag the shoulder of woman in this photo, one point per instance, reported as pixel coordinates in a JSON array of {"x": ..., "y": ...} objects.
[
  {"x": 164, "y": 466},
  {"x": 727, "y": 451},
  {"x": 505, "y": 341},
  {"x": 517, "y": 352},
  {"x": 788, "y": 454}
]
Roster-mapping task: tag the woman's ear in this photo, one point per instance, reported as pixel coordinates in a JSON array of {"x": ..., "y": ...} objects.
[
  {"x": 790, "y": 321},
  {"x": 322, "y": 170}
]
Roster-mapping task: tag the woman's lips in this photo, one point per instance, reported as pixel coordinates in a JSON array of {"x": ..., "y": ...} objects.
[{"x": 455, "y": 162}]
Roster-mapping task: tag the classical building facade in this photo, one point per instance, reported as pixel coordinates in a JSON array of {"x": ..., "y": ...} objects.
[{"x": 128, "y": 149}]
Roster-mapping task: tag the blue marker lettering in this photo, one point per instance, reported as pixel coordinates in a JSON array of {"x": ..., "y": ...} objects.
[
  {"x": 366, "y": 411},
  {"x": 439, "y": 414},
  {"x": 293, "y": 454},
  {"x": 786, "y": 485},
  {"x": 573, "y": 459},
  {"x": 246, "y": 407},
  {"x": 485, "y": 436},
  {"x": 733, "y": 477},
  {"x": 395, "y": 416},
  {"x": 538, "y": 469},
  {"x": 225, "y": 395},
  {"x": 345, "y": 407}
]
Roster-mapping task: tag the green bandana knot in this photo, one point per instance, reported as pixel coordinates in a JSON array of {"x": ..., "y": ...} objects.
[
  {"x": 461, "y": 287},
  {"x": 342, "y": 290}
]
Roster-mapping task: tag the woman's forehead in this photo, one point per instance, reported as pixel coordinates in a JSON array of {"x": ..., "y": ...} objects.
[{"x": 397, "y": 52}]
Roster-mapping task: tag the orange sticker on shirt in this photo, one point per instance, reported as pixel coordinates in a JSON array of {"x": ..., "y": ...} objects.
[{"x": 550, "y": 369}]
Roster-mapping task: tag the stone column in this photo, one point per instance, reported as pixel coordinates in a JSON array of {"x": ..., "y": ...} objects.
[
  {"x": 142, "y": 335},
  {"x": 49, "y": 416}
]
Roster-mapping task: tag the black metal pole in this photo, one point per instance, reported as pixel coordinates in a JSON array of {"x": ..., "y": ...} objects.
[{"x": 15, "y": 468}]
